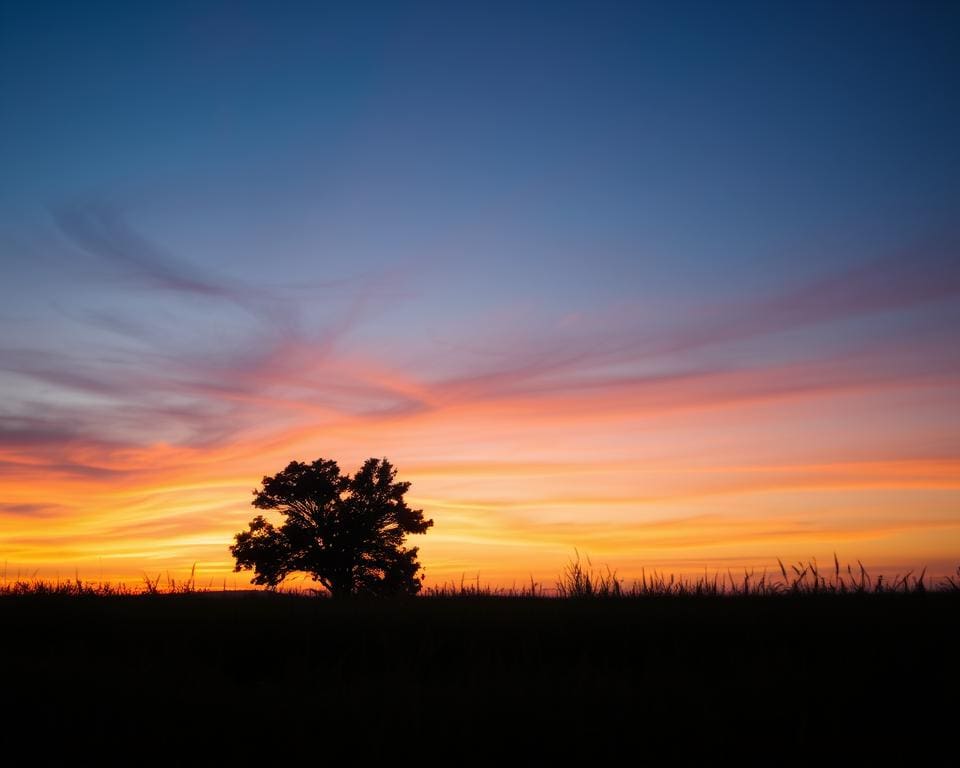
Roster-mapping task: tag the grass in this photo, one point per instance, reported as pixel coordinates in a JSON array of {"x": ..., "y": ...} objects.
[
  {"x": 580, "y": 580},
  {"x": 576, "y": 581},
  {"x": 697, "y": 670},
  {"x": 77, "y": 587},
  {"x": 777, "y": 667}
]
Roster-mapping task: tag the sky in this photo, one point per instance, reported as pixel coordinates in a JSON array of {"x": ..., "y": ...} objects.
[{"x": 671, "y": 286}]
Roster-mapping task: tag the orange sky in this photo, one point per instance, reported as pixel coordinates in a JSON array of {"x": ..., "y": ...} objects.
[{"x": 707, "y": 470}]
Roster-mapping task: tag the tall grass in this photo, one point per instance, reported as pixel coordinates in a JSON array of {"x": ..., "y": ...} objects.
[
  {"x": 801, "y": 578},
  {"x": 577, "y": 580},
  {"x": 77, "y": 587},
  {"x": 580, "y": 580},
  {"x": 71, "y": 588}
]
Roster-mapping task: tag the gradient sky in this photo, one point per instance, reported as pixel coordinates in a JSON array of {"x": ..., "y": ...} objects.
[{"x": 676, "y": 285}]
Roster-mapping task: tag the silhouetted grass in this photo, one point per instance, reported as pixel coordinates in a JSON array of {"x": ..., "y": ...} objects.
[
  {"x": 583, "y": 581},
  {"x": 576, "y": 581},
  {"x": 776, "y": 668}
]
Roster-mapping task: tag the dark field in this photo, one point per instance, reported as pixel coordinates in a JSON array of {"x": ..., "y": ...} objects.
[{"x": 769, "y": 678}]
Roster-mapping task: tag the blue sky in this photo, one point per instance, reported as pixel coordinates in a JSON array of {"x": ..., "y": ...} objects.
[{"x": 726, "y": 140}]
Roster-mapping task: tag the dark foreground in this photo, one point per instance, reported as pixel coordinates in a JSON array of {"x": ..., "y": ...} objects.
[{"x": 256, "y": 678}]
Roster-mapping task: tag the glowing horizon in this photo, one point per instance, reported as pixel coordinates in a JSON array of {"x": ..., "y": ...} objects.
[{"x": 585, "y": 294}]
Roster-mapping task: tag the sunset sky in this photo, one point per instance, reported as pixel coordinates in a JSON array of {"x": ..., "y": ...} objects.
[{"x": 672, "y": 285}]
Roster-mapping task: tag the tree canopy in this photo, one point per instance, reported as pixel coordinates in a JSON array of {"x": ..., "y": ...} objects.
[{"x": 345, "y": 532}]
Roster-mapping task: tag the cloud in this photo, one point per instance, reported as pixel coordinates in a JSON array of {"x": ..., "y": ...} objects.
[
  {"x": 293, "y": 369},
  {"x": 191, "y": 379},
  {"x": 927, "y": 273},
  {"x": 124, "y": 433},
  {"x": 282, "y": 384},
  {"x": 32, "y": 510},
  {"x": 102, "y": 232}
]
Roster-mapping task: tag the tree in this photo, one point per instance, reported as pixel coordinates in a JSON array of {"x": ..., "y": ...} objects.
[{"x": 346, "y": 532}]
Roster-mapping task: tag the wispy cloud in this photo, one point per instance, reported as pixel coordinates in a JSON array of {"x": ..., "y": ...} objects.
[
  {"x": 44, "y": 511},
  {"x": 596, "y": 370},
  {"x": 928, "y": 273},
  {"x": 101, "y": 231},
  {"x": 94, "y": 431}
]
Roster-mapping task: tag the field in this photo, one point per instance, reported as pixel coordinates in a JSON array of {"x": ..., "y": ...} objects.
[{"x": 772, "y": 676}]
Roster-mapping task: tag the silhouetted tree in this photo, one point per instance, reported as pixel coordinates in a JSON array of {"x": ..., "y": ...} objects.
[{"x": 346, "y": 532}]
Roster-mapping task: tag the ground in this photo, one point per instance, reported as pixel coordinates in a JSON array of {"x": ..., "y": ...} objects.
[{"x": 255, "y": 677}]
